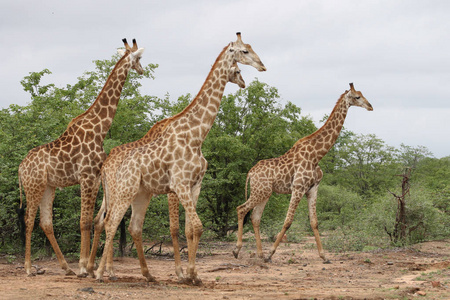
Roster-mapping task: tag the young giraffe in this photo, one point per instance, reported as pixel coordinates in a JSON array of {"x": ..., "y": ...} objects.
[
  {"x": 173, "y": 162},
  {"x": 296, "y": 172},
  {"x": 109, "y": 169},
  {"x": 75, "y": 157}
]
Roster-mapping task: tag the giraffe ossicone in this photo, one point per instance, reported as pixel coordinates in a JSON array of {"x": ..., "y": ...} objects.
[
  {"x": 296, "y": 172},
  {"x": 74, "y": 158},
  {"x": 172, "y": 164}
]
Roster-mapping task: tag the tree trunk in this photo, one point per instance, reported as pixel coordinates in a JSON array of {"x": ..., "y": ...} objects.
[{"x": 399, "y": 233}]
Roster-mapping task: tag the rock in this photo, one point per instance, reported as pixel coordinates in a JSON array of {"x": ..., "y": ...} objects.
[
  {"x": 87, "y": 289},
  {"x": 436, "y": 284},
  {"x": 421, "y": 293}
]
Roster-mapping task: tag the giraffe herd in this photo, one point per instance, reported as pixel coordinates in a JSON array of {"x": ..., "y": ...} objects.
[{"x": 167, "y": 160}]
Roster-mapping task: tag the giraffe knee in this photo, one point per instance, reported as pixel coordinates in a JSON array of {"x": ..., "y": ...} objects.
[
  {"x": 287, "y": 225},
  {"x": 86, "y": 226},
  {"x": 314, "y": 225},
  {"x": 174, "y": 231}
]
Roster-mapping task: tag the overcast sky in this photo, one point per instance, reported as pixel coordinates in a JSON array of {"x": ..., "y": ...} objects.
[{"x": 395, "y": 52}]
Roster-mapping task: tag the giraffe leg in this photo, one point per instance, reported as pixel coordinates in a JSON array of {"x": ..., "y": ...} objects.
[
  {"x": 30, "y": 215},
  {"x": 257, "y": 198},
  {"x": 89, "y": 189},
  {"x": 112, "y": 221},
  {"x": 297, "y": 194},
  {"x": 174, "y": 230},
  {"x": 46, "y": 223},
  {"x": 242, "y": 210},
  {"x": 256, "y": 220},
  {"x": 99, "y": 226},
  {"x": 194, "y": 228},
  {"x": 139, "y": 208},
  {"x": 312, "y": 197}
]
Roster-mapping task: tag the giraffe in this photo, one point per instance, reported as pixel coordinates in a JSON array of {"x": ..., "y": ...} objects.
[
  {"x": 297, "y": 173},
  {"x": 109, "y": 169},
  {"x": 173, "y": 163},
  {"x": 75, "y": 157}
]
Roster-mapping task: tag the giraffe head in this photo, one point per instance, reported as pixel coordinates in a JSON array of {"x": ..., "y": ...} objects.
[
  {"x": 134, "y": 57},
  {"x": 235, "y": 76},
  {"x": 356, "y": 98},
  {"x": 244, "y": 54}
]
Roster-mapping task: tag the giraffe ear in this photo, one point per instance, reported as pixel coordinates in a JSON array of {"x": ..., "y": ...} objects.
[
  {"x": 138, "y": 52},
  {"x": 121, "y": 52}
]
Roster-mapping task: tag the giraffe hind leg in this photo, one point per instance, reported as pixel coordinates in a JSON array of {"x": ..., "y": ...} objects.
[
  {"x": 139, "y": 208},
  {"x": 256, "y": 201},
  {"x": 46, "y": 224},
  {"x": 174, "y": 231},
  {"x": 99, "y": 226},
  {"x": 256, "y": 220}
]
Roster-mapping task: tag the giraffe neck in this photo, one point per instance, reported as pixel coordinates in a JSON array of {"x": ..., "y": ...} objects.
[
  {"x": 198, "y": 117},
  {"x": 324, "y": 138},
  {"x": 101, "y": 113}
]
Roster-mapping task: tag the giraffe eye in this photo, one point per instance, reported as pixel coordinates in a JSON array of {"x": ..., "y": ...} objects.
[
  {"x": 357, "y": 97},
  {"x": 245, "y": 51},
  {"x": 238, "y": 72}
]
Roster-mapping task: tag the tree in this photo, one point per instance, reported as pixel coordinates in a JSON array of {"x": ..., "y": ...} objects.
[{"x": 367, "y": 165}]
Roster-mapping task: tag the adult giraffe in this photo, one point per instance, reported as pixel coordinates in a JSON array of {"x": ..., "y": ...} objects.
[
  {"x": 109, "y": 169},
  {"x": 174, "y": 163},
  {"x": 75, "y": 157},
  {"x": 297, "y": 172}
]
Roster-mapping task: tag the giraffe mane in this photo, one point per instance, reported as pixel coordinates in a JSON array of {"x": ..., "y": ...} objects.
[
  {"x": 74, "y": 120},
  {"x": 329, "y": 118}
]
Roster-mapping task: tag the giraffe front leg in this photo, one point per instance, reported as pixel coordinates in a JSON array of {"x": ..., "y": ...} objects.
[
  {"x": 312, "y": 197},
  {"x": 297, "y": 194},
  {"x": 174, "y": 230},
  {"x": 89, "y": 189},
  {"x": 194, "y": 228}
]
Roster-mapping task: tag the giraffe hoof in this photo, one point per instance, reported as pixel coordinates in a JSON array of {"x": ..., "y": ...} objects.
[
  {"x": 235, "y": 253},
  {"x": 82, "y": 275},
  {"x": 31, "y": 275},
  {"x": 185, "y": 281},
  {"x": 327, "y": 261},
  {"x": 69, "y": 272},
  {"x": 113, "y": 278},
  {"x": 197, "y": 282},
  {"x": 268, "y": 260},
  {"x": 150, "y": 278}
]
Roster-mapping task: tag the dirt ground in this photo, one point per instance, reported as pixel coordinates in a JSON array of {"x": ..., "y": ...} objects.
[{"x": 296, "y": 272}]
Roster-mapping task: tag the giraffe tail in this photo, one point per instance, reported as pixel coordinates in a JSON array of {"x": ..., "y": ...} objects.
[
  {"x": 246, "y": 184},
  {"x": 21, "y": 214},
  {"x": 20, "y": 191}
]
